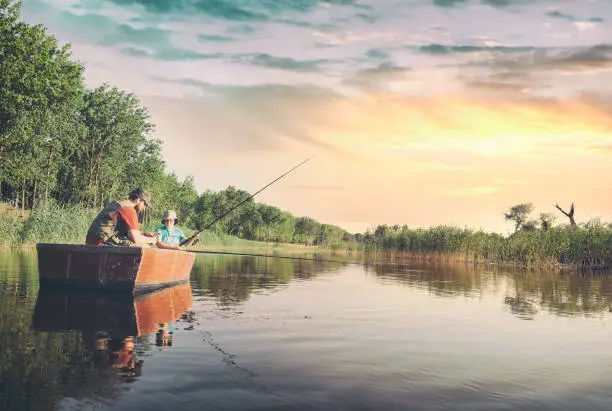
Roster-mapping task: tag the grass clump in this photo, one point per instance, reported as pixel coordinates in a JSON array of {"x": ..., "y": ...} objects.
[{"x": 50, "y": 222}]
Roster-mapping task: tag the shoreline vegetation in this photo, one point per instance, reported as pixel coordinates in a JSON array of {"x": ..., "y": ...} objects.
[
  {"x": 584, "y": 246},
  {"x": 67, "y": 150}
]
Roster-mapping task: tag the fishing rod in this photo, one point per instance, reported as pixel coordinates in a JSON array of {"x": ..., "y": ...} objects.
[
  {"x": 289, "y": 257},
  {"x": 185, "y": 241}
]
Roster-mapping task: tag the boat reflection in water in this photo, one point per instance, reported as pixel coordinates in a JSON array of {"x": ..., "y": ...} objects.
[{"x": 112, "y": 324}]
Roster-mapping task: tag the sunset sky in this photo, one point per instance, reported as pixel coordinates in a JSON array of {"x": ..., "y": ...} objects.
[{"x": 419, "y": 112}]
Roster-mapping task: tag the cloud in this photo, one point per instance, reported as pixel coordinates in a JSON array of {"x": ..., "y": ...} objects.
[
  {"x": 579, "y": 59},
  {"x": 248, "y": 95},
  {"x": 109, "y": 32},
  {"x": 505, "y": 3},
  {"x": 439, "y": 145},
  {"x": 255, "y": 59},
  {"x": 568, "y": 17},
  {"x": 492, "y": 3},
  {"x": 254, "y": 11},
  {"x": 449, "y": 3},
  {"x": 377, "y": 54},
  {"x": 145, "y": 40},
  {"x": 171, "y": 54},
  {"x": 600, "y": 149},
  {"x": 377, "y": 77},
  {"x": 135, "y": 52},
  {"x": 384, "y": 123},
  {"x": 177, "y": 54},
  {"x": 305, "y": 23},
  {"x": 496, "y": 86},
  {"x": 263, "y": 117},
  {"x": 216, "y": 8},
  {"x": 440, "y": 49},
  {"x": 557, "y": 14},
  {"x": 241, "y": 29},
  {"x": 215, "y": 38},
  {"x": 583, "y": 26},
  {"x": 283, "y": 63}
]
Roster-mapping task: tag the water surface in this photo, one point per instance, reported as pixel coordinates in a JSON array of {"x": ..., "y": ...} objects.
[{"x": 261, "y": 333}]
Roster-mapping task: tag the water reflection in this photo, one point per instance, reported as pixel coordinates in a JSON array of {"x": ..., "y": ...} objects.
[
  {"x": 524, "y": 292},
  {"x": 119, "y": 314},
  {"x": 231, "y": 280},
  {"x": 80, "y": 344},
  {"x": 313, "y": 335}
]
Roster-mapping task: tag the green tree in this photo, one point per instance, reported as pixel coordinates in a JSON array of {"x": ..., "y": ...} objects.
[
  {"x": 546, "y": 221},
  {"x": 40, "y": 89},
  {"x": 114, "y": 151},
  {"x": 306, "y": 230},
  {"x": 271, "y": 217},
  {"x": 518, "y": 214}
]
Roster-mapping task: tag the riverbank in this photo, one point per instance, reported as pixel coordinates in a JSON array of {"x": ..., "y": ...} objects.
[
  {"x": 586, "y": 246},
  {"x": 69, "y": 224}
]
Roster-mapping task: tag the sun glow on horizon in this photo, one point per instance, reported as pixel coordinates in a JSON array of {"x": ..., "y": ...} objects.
[
  {"x": 502, "y": 128},
  {"x": 413, "y": 160}
]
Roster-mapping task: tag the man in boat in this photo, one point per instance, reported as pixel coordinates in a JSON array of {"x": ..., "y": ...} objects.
[
  {"x": 170, "y": 235},
  {"x": 117, "y": 224}
]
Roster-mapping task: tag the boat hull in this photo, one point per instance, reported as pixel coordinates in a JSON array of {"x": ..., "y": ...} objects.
[
  {"x": 119, "y": 314},
  {"x": 137, "y": 269}
]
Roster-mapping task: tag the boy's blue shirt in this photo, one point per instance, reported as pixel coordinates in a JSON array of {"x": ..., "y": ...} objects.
[{"x": 173, "y": 238}]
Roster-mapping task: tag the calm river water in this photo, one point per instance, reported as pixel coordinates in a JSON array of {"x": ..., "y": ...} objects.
[{"x": 252, "y": 333}]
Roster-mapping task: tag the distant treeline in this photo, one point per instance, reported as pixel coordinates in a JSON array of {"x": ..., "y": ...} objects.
[{"x": 65, "y": 143}]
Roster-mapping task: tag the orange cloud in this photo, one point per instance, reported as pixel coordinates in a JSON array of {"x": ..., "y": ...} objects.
[
  {"x": 454, "y": 122},
  {"x": 419, "y": 161},
  {"x": 602, "y": 149}
]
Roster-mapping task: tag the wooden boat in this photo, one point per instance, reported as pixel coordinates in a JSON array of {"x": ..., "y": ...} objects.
[
  {"x": 139, "y": 269},
  {"x": 118, "y": 314}
]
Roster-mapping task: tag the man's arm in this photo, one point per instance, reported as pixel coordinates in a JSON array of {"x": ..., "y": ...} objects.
[
  {"x": 129, "y": 216},
  {"x": 136, "y": 236}
]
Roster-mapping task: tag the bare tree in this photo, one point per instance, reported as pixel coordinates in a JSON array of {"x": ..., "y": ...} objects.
[{"x": 569, "y": 215}]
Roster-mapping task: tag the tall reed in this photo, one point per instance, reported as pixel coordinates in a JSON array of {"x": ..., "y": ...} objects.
[{"x": 589, "y": 245}]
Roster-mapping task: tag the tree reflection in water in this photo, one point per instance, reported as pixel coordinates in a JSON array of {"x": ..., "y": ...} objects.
[
  {"x": 526, "y": 291},
  {"x": 231, "y": 280}
]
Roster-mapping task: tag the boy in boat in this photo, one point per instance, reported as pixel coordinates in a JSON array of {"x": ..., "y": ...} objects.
[
  {"x": 117, "y": 224},
  {"x": 170, "y": 235}
]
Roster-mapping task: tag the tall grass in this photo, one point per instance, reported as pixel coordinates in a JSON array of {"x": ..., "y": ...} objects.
[
  {"x": 50, "y": 222},
  {"x": 11, "y": 225},
  {"x": 589, "y": 245}
]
